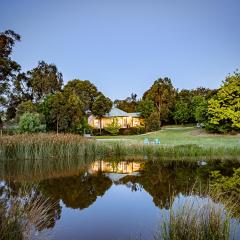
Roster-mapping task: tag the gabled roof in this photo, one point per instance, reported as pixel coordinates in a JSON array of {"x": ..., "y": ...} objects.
[
  {"x": 116, "y": 112},
  {"x": 134, "y": 114}
]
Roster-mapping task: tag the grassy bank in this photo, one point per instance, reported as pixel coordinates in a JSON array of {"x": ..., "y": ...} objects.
[
  {"x": 68, "y": 146},
  {"x": 173, "y": 136}
]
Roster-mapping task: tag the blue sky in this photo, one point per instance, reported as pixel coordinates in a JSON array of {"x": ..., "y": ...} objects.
[{"x": 122, "y": 46}]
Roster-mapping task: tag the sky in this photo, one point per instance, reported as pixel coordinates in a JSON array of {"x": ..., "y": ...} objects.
[{"x": 123, "y": 46}]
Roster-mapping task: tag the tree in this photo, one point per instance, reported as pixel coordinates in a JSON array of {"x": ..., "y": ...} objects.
[
  {"x": 113, "y": 128},
  {"x": 85, "y": 90},
  {"x": 181, "y": 113},
  {"x": 100, "y": 107},
  {"x": 29, "y": 122},
  {"x": 63, "y": 112},
  {"x": 162, "y": 93},
  {"x": 37, "y": 83},
  {"x": 129, "y": 104},
  {"x": 152, "y": 122},
  {"x": 8, "y": 67},
  {"x": 200, "y": 105},
  {"x": 145, "y": 107},
  {"x": 24, "y": 107},
  {"x": 224, "y": 108},
  {"x": 53, "y": 110}
]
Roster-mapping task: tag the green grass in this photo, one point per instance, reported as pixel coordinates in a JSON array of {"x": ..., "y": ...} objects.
[
  {"x": 176, "y": 143},
  {"x": 182, "y": 136}
]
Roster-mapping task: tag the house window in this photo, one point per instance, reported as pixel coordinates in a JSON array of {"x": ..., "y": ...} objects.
[{"x": 96, "y": 123}]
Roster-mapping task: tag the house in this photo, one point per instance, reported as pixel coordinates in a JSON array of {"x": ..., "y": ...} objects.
[{"x": 124, "y": 119}]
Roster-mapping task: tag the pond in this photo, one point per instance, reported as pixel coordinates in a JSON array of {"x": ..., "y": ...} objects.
[{"x": 113, "y": 199}]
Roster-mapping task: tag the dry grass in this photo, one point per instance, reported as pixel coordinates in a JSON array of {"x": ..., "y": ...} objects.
[{"x": 24, "y": 215}]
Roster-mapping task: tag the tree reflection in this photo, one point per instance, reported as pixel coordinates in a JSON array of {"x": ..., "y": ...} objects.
[
  {"x": 79, "y": 191},
  {"x": 166, "y": 180}
]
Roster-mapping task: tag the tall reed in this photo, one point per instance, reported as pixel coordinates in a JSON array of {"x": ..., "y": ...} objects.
[
  {"x": 25, "y": 214},
  {"x": 66, "y": 146},
  {"x": 199, "y": 218}
]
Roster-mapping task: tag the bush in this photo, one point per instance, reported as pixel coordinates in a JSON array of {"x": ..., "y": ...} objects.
[
  {"x": 30, "y": 122},
  {"x": 153, "y": 122},
  {"x": 113, "y": 128},
  {"x": 132, "y": 130}
]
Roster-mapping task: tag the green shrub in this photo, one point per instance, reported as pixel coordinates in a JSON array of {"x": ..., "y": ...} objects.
[
  {"x": 132, "y": 130},
  {"x": 113, "y": 128},
  {"x": 226, "y": 184},
  {"x": 29, "y": 122},
  {"x": 153, "y": 122}
]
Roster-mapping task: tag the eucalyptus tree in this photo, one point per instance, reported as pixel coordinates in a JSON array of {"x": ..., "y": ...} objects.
[{"x": 163, "y": 94}]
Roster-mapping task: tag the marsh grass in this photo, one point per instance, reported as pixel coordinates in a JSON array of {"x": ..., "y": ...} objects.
[
  {"x": 66, "y": 146},
  {"x": 200, "y": 218},
  {"x": 24, "y": 215}
]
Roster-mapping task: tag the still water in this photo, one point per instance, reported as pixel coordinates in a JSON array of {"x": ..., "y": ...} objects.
[{"x": 113, "y": 199}]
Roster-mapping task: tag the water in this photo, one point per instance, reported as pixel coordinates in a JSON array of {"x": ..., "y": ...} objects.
[{"x": 112, "y": 200}]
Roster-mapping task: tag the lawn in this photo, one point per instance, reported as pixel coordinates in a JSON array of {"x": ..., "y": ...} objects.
[{"x": 181, "y": 136}]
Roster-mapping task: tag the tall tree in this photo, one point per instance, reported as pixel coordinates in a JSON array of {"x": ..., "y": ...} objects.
[
  {"x": 85, "y": 90},
  {"x": 44, "y": 79},
  {"x": 162, "y": 93},
  {"x": 129, "y": 104},
  {"x": 224, "y": 108},
  {"x": 8, "y": 67},
  {"x": 181, "y": 113},
  {"x": 62, "y": 112},
  {"x": 101, "y": 106},
  {"x": 145, "y": 107}
]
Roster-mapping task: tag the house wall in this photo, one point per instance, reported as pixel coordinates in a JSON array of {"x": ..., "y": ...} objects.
[{"x": 124, "y": 122}]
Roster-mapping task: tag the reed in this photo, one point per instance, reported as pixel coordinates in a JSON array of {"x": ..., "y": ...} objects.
[
  {"x": 200, "y": 218},
  {"x": 24, "y": 215},
  {"x": 66, "y": 146}
]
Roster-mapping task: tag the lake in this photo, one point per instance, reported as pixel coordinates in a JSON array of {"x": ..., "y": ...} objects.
[{"x": 113, "y": 199}]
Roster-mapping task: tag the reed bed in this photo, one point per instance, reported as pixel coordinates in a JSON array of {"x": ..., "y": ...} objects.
[
  {"x": 25, "y": 214},
  {"x": 200, "y": 218},
  {"x": 66, "y": 146}
]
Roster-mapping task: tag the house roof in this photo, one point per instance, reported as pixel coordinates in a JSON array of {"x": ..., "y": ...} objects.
[
  {"x": 134, "y": 114},
  {"x": 116, "y": 112}
]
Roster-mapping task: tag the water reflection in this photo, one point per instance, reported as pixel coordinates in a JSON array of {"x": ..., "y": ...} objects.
[{"x": 115, "y": 192}]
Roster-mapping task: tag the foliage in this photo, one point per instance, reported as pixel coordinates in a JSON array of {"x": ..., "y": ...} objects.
[
  {"x": 200, "y": 109},
  {"x": 226, "y": 184},
  {"x": 101, "y": 106},
  {"x": 128, "y": 105},
  {"x": 113, "y": 128},
  {"x": 85, "y": 90},
  {"x": 8, "y": 67},
  {"x": 25, "y": 107},
  {"x": 63, "y": 112},
  {"x": 224, "y": 108},
  {"x": 133, "y": 130},
  {"x": 38, "y": 82},
  {"x": 29, "y": 122},
  {"x": 145, "y": 107},
  {"x": 152, "y": 122},
  {"x": 163, "y": 94},
  {"x": 181, "y": 113}
]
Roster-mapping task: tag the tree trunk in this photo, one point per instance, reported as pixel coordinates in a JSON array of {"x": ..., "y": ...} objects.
[
  {"x": 159, "y": 111},
  {"x": 57, "y": 124},
  {"x": 100, "y": 126}
]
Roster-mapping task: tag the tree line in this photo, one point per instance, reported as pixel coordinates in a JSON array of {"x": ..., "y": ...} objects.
[{"x": 38, "y": 99}]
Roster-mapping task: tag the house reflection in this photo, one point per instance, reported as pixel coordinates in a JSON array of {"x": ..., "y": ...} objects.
[{"x": 122, "y": 167}]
